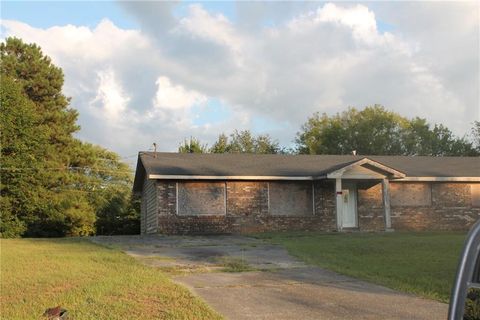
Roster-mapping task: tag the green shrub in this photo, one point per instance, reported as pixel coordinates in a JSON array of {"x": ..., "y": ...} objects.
[{"x": 10, "y": 226}]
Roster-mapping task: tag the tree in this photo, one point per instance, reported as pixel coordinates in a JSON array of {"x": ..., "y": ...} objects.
[
  {"x": 444, "y": 143},
  {"x": 42, "y": 83},
  {"x": 120, "y": 215},
  {"x": 377, "y": 131},
  {"x": 221, "y": 145},
  {"x": 476, "y": 135},
  {"x": 245, "y": 142},
  {"x": 108, "y": 184},
  {"x": 237, "y": 142},
  {"x": 371, "y": 131},
  {"x": 52, "y": 183},
  {"x": 192, "y": 146},
  {"x": 19, "y": 143}
]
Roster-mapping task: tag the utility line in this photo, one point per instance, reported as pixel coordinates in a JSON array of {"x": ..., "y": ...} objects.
[
  {"x": 122, "y": 158},
  {"x": 76, "y": 190},
  {"x": 65, "y": 168}
]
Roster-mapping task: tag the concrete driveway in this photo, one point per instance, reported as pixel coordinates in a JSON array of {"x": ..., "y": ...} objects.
[{"x": 278, "y": 287}]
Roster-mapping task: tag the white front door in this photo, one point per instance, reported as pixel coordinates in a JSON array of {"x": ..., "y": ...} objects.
[{"x": 349, "y": 198}]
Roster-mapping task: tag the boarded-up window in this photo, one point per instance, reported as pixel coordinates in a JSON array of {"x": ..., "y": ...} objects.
[
  {"x": 475, "y": 190},
  {"x": 201, "y": 198},
  {"x": 290, "y": 198},
  {"x": 410, "y": 194},
  {"x": 451, "y": 195}
]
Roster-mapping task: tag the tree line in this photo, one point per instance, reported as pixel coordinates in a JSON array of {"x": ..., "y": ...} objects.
[
  {"x": 237, "y": 142},
  {"x": 53, "y": 184},
  {"x": 371, "y": 131}
]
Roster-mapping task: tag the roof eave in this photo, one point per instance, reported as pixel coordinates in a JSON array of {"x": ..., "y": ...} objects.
[
  {"x": 439, "y": 179},
  {"x": 140, "y": 174},
  {"x": 228, "y": 177}
]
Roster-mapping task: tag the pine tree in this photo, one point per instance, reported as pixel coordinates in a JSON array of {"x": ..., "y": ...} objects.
[{"x": 52, "y": 183}]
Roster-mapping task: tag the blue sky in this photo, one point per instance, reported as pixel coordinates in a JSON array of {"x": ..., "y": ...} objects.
[
  {"x": 140, "y": 72},
  {"x": 90, "y": 13},
  {"x": 48, "y": 14}
]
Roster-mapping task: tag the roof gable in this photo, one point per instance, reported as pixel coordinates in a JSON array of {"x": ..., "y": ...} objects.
[{"x": 365, "y": 168}]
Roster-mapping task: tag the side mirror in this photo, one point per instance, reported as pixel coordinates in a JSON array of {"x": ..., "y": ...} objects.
[{"x": 465, "y": 298}]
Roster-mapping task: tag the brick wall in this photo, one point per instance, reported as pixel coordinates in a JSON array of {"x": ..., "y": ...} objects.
[
  {"x": 229, "y": 224},
  {"x": 450, "y": 207},
  {"x": 415, "y": 206},
  {"x": 247, "y": 198},
  {"x": 195, "y": 224},
  {"x": 325, "y": 206},
  {"x": 247, "y": 211},
  {"x": 370, "y": 209},
  {"x": 419, "y": 206}
]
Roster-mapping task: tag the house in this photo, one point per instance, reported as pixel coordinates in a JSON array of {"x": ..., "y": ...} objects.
[{"x": 236, "y": 193}]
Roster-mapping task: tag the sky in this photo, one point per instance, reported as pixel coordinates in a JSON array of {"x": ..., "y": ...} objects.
[{"x": 144, "y": 72}]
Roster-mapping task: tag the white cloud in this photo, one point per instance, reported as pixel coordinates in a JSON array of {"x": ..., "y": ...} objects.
[
  {"x": 174, "y": 103},
  {"x": 111, "y": 101},
  {"x": 170, "y": 96},
  {"x": 358, "y": 18},
  {"x": 216, "y": 28},
  {"x": 133, "y": 87}
]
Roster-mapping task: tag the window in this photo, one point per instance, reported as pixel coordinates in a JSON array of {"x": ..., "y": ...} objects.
[
  {"x": 404, "y": 194},
  {"x": 201, "y": 198},
  {"x": 291, "y": 198}
]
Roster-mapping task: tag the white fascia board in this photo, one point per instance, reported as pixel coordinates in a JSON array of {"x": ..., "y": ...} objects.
[
  {"x": 439, "y": 179},
  {"x": 355, "y": 177},
  {"x": 308, "y": 178},
  {"x": 197, "y": 177}
]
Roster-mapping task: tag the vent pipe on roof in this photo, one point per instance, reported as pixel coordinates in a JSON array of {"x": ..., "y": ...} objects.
[{"x": 154, "y": 150}]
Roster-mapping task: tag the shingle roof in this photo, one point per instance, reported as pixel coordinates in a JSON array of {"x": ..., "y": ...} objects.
[{"x": 294, "y": 165}]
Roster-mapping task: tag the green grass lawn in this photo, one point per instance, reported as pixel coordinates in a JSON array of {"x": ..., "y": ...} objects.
[
  {"x": 419, "y": 263},
  {"x": 90, "y": 281}
]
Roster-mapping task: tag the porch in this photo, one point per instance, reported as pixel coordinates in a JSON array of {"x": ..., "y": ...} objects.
[{"x": 360, "y": 175}]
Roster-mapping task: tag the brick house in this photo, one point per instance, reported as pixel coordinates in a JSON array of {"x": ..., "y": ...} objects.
[{"x": 235, "y": 193}]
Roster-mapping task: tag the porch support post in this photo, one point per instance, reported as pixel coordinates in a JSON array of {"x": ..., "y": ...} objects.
[
  {"x": 386, "y": 203},
  {"x": 339, "y": 202}
]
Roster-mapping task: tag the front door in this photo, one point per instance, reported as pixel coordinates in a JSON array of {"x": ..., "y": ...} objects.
[{"x": 349, "y": 198}]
